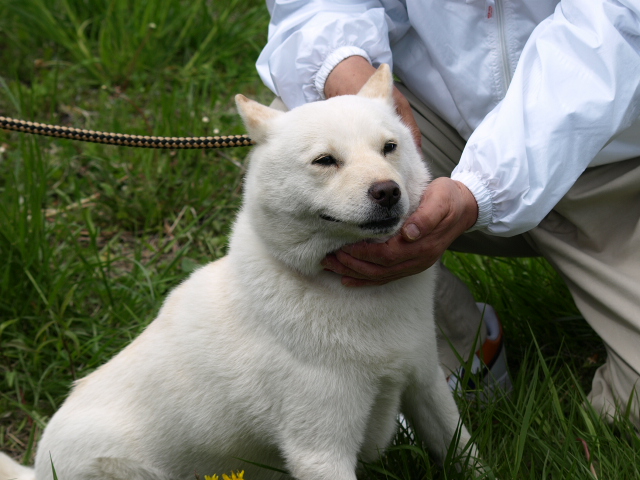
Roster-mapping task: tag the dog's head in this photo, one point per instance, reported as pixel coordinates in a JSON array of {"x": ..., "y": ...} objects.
[{"x": 330, "y": 173}]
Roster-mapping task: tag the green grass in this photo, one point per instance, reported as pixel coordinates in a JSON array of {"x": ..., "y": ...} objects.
[{"x": 92, "y": 237}]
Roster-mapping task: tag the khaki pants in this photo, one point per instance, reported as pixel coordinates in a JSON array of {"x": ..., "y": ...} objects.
[{"x": 592, "y": 238}]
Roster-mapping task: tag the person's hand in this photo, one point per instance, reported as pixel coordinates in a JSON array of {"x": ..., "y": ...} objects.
[
  {"x": 446, "y": 210},
  {"x": 348, "y": 77}
]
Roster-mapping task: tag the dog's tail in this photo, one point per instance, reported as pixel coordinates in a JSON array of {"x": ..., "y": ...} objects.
[{"x": 12, "y": 470}]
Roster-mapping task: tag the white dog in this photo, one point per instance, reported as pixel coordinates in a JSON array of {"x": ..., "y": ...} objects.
[{"x": 262, "y": 355}]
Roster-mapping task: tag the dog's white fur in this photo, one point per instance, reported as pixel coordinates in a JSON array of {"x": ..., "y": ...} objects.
[{"x": 262, "y": 355}]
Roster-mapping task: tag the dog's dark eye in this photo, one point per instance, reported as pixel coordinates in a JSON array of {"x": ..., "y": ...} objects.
[
  {"x": 389, "y": 147},
  {"x": 325, "y": 161}
]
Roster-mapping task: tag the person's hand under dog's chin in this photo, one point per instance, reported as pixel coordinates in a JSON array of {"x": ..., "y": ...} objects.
[{"x": 447, "y": 210}]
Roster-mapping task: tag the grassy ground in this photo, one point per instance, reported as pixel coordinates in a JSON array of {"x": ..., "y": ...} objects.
[{"x": 92, "y": 237}]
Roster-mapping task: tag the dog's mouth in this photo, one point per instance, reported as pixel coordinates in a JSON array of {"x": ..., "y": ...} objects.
[
  {"x": 383, "y": 225},
  {"x": 329, "y": 218}
]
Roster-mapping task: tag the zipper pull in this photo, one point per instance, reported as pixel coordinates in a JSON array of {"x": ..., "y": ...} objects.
[{"x": 491, "y": 6}]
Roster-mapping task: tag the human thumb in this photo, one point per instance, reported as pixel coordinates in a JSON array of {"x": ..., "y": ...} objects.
[{"x": 410, "y": 232}]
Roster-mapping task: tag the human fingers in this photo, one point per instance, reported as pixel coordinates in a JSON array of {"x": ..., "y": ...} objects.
[
  {"x": 447, "y": 209},
  {"x": 360, "y": 282},
  {"x": 344, "y": 263},
  {"x": 392, "y": 252},
  {"x": 356, "y": 273}
]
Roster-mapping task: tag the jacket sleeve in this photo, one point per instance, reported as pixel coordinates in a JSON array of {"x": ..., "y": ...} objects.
[
  {"x": 576, "y": 86},
  {"x": 307, "y": 39}
]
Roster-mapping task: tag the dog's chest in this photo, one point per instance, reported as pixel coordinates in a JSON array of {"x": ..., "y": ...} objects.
[{"x": 324, "y": 321}]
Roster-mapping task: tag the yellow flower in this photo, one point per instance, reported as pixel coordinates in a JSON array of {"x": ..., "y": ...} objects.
[
  {"x": 239, "y": 476},
  {"x": 234, "y": 476}
]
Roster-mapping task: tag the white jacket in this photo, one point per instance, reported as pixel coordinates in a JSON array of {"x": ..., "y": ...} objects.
[{"x": 541, "y": 89}]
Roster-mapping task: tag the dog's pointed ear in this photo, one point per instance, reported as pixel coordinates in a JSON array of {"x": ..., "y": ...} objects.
[
  {"x": 380, "y": 85},
  {"x": 256, "y": 117}
]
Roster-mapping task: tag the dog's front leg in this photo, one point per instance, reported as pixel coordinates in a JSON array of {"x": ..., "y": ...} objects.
[
  {"x": 431, "y": 409},
  {"x": 323, "y": 430},
  {"x": 310, "y": 465}
]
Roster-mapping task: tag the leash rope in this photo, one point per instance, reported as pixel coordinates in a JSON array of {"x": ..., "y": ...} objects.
[{"x": 142, "y": 141}]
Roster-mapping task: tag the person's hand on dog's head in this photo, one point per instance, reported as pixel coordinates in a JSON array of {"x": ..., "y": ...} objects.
[
  {"x": 447, "y": 210},
  {"x": 348, "y": 77}
]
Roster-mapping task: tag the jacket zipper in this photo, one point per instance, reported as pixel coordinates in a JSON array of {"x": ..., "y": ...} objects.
[{"x": 496, "y": 8}]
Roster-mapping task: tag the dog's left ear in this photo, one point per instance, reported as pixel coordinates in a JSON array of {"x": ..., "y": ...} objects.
[
  {"x": 256, "y": 117},
  {"x": 380, "y": 85}
]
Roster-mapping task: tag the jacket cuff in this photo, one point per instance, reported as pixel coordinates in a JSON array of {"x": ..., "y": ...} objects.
[
  {"x": 333, "y": 59},
  {"x": 482, "y": 195}
]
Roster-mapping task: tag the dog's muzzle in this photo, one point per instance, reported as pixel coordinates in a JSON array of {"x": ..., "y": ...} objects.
[{"x": 385, "y": 225}]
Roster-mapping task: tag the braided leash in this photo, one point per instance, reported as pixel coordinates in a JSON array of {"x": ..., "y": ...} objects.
[{"x": 141, "y": 141}]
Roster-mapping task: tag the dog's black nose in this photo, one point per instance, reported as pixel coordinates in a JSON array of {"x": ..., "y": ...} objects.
[{"x": 385, "y": 193}]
